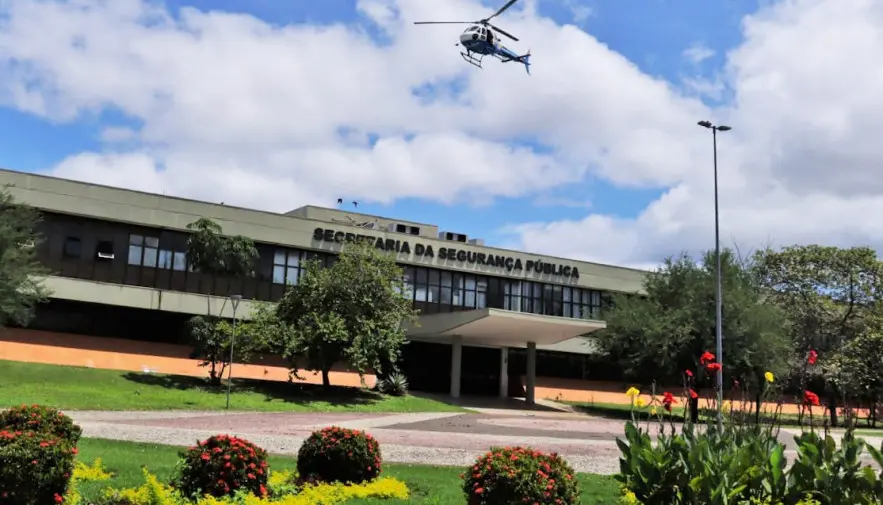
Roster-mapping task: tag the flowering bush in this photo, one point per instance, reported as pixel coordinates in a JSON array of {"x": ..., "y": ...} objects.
[
  {"x": 339, "y": 455},
  {"x": 41, "y": 419},
  {"x": 741, "y": 461},
  {"x": 510, "y": 475},
  {"x": 222, "y": 465},
  {"x": 35, "y": 468}
]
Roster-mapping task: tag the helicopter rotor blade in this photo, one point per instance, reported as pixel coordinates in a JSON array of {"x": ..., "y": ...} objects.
[
  {"x": 502, "y": 9},
  {"x": 501, "y": 31},
  {"x": 445, "y": 22}
]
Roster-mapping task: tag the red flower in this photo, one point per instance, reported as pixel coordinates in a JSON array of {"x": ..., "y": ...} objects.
[
  {"x": 706, "y": 357},
  {"x": 813, "y": 357},
  {"x": 688, "y": 373},
  {"x": 810, "y": 399},
  {"x": 667, "y": 400},
  {"x": 693, "y": 394},
  {"x": 712, "y": 367},
  {"x": 58, "y": 498}
]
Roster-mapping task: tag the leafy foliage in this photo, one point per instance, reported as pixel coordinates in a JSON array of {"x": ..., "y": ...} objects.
[
  {"x": 658, "y": 336},
  {"x": 221, "y": 466},
  {"x": 339, "y": 455},
  {"x": 353, "y": 311},
  {"x": 826, "y": 292},
  {"x": 211, "y": 337},
  {"x": 21, "y": 288},
  {"x": 507, "y": 475},
  {"x": 41, "y": 419},
  {"x": 35, "y": 468},
  {"x": 394, "y": 384},
  {"x": 830, "y": 298},
  {"x": 741, "y": 462},
  {"x": 210, "y": 252}
]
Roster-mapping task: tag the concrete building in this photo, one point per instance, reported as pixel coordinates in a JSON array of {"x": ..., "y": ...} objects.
[{"x": 118, "y": 259}]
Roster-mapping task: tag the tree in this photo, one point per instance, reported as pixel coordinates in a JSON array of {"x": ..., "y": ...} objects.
[
  {"x": 829, "y": 296},
  {"x": 212, "y": 337},
  {"x": 21, "y": 275},
  {"x": 857, "y": 369},
  {"x": 210, "y": 252},
  {"x": 661, "y": 335},
  {"x": 353, "y": 311}
]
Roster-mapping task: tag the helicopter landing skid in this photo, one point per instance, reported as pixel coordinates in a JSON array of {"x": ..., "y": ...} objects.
[{"x": 472, "y": 60}]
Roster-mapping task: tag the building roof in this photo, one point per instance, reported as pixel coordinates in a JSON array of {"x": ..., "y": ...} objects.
[{"x": 301, "y": 229}]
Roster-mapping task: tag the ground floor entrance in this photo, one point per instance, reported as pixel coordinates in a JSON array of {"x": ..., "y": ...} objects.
[{"x": 474, "y": 347}]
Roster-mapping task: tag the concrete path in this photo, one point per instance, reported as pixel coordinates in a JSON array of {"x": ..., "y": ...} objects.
[{"x": 588, "y": 443}]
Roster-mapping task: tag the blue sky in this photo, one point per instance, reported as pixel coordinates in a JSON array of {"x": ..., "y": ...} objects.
[
  {"x": 652, "y": 34},
  {"x": 247, "y": 102}
]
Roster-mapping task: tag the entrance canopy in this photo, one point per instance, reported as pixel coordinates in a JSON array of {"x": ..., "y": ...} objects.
[{"x": 500, "y": 328}]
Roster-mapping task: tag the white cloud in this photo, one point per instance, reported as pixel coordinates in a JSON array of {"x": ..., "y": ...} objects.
[
  {"x": 698, "y": 52},
  {"x": 236, "y": 110},
  {"x": 803, "y": 163}
]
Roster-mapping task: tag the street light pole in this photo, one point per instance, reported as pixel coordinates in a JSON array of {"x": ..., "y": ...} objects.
[
  {"x": 234, "y": 301},
  {"x": 718, "y": 300}
]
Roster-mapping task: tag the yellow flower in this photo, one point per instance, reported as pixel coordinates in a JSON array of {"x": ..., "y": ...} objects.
[
  {"x": 653, "y": 411},
  {"x": 726, "y": 406},
  {"x": 639, "y": 402},
  {"x": 632, "y": 392},
  {"x": 769, "y": 377}
]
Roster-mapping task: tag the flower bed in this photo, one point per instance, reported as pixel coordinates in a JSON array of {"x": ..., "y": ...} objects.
[
  {"x": 741, "y": 461},
  {"x": 220, "y": 467}
]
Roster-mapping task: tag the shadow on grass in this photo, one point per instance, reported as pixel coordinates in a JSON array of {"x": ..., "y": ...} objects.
[{"x": 272, "y": 391}]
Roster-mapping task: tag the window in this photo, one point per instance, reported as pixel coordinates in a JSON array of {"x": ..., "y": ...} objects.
[
  {"x": 104, "y": 250},
  {"x": 73, "y": 247},
  {"x": 421, "y": 286},
  {"x": 287, "y": 266},
  {"x": 165, "y": 259},
  {"x": 143, "y": 251},
  {"x": 512, "y": 295},
  {"x": 180, "y": 261}
]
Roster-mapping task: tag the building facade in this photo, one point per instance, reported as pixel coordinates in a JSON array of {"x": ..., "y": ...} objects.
[{"x": 119, "y": 269}]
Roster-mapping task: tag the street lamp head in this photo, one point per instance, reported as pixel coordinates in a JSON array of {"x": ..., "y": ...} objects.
[
  {"x": 706, "y": 124},
  {"x": 724, "y": 128}
]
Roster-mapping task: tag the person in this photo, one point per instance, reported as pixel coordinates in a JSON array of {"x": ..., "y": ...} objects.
[{"x": 490, "y": 37}]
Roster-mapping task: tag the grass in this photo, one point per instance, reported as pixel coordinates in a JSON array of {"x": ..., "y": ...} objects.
[
  {"x": 78, "y": 388},
  {"x": 624, "y": 411},
  {"x": 428, "y": 484}
]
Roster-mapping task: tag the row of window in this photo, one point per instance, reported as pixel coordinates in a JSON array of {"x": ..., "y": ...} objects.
[{"x": 424, "y": 285}]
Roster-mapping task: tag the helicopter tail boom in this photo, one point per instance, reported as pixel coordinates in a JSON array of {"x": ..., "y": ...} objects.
[{"x": 524, "y": 59}]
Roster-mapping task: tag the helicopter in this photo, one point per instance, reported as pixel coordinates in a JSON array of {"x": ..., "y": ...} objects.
[{"x": 482, "y": 39}]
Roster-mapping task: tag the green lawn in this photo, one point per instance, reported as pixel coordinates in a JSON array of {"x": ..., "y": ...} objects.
[
  {"x": 78, "y": 388},
  {"x": 428, "y": 485},
  {"x": 624, "y": 411}
]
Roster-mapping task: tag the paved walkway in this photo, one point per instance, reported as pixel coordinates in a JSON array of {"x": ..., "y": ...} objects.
[{"x": 588, "y": 443}]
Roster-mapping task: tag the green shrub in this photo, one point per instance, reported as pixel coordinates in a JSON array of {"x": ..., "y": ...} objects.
[
  {"x": 396, "y": 384},
  {"x": 42, "y": 419},
  {"x": 221, "y": 466},
  {"x": 511, "y": 475},
  {"x": 339, "y": 455},
  {"x": 35, "y": 468},
  {"x": 741, "y": 462}
]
